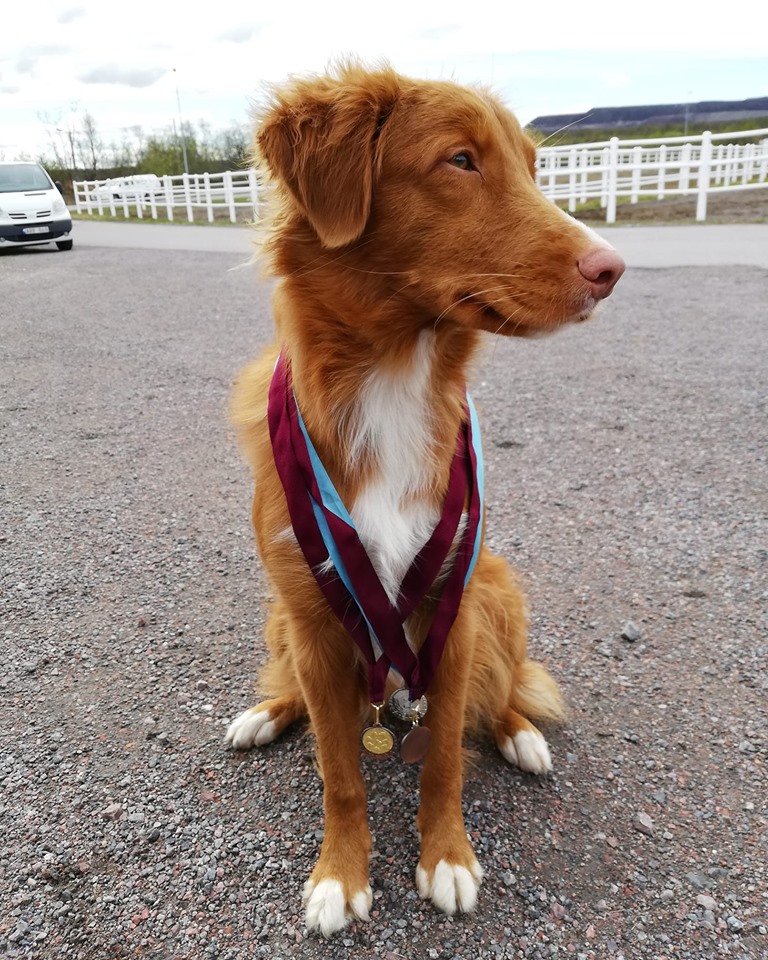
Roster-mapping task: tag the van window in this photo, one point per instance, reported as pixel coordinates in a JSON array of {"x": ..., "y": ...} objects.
[{"x": 20, "y": 177}]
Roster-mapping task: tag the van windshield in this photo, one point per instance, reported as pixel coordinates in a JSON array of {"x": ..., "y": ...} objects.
[{"x": 18, "y": 177}]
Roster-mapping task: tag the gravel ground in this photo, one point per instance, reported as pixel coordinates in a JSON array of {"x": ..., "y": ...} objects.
[{"x": 627, "y": 481}]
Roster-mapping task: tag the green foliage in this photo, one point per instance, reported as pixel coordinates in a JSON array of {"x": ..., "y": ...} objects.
[{"x": 81, "y": 154}]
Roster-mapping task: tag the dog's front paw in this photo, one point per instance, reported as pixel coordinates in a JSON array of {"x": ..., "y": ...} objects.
[
  {"x": 329, "y": 909},
  {"x": 450, "y": 886}
]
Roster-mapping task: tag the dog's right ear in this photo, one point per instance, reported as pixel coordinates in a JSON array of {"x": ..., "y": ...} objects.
[{"x": 319, "y": 140}]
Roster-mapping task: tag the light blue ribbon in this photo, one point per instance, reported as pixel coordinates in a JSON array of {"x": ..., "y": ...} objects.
[{"x": 333, "y": 502}]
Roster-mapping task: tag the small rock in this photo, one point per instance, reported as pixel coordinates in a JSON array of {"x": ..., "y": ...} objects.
[
  {"x": 558, "y": 911},
  {"x": 667, "y": 894},
  {"x": 113, "y": 812},
  {"x": 643, "y": 823},
  {"x": 703, "y": 900},
  {"x": 631, "y": 632},
  {"x": 698, "y": 880},
  {"x": 734, "y": 924}
]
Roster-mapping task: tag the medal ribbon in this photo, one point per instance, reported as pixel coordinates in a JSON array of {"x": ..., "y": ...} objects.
[{"x": 326, "y": 532}]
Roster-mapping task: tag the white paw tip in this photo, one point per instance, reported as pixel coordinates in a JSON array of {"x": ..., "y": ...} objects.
[
  {"x": 253, "y": 728},
  {"x": 451, "y": 887},
  {"x": 527, "y": 750},
  {"x": 361, "y": 904},
  {"x": 326, "y": 908}
]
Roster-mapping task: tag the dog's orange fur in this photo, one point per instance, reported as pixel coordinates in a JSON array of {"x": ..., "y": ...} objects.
[{"x": 403, "y": 206}]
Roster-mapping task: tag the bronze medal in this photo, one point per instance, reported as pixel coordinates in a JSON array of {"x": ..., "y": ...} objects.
[{"x": 415, "y": 744}]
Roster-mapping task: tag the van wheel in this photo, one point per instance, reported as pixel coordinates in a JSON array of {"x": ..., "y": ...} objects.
[{"x": 64, "y": 244}]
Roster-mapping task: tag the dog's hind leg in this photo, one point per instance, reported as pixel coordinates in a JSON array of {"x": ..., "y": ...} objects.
[
  {"x": 534, "y": 694},
  {"x": 507, "y": 690},
  {"x": 263, "y": 723}
]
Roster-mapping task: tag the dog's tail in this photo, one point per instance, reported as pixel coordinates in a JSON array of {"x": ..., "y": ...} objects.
[{"x": 535, "y": 694}]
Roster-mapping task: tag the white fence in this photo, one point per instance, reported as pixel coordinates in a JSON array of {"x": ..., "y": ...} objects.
[
  {"x": 653, "y": 169},
  {"x": 229, "y": 195},
  {"x": 609, "y": 171}
]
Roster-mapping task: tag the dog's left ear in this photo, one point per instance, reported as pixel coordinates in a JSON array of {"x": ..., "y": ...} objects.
[{"x": 319, "y": 139}]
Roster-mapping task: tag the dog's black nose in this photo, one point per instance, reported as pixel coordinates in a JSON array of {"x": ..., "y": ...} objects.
[{"x": 602, "y": 267}]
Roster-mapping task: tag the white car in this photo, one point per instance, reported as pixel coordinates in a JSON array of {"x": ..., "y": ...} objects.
[
  {"x": 139, "y": 187},
  {"x": 32, "y": 209}
]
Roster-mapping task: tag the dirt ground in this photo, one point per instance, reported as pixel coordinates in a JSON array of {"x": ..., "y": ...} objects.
[{"x": 735, "y": 206}]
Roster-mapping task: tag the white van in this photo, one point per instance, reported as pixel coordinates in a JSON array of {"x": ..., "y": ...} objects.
[{"x": 32, "y": 209}]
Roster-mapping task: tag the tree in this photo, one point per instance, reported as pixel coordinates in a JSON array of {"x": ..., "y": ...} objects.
[{"x": 90, "y": 144}]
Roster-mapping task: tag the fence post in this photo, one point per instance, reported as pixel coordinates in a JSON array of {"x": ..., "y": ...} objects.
[
  {"x": 747, "y": 160},
  {"x": 613, "y": 175},
  {"x": 254, "y": 188},
  {"x": 187, "y": 196},
  {"x": 229, "y": 196},
  {"x": 685, "y": 168},
  {"x": 705, "y": 160},
  {"x": 637, "y": 162},
  {"x": 168, "y": 189},
  {"x": 762, "y": 172},
  {"x": 208, "y": 197},
  {"x": 572, "y": 161}
]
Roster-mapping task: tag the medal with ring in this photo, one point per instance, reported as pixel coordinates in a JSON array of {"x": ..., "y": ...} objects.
[
  {"x": 416, "y": 742},
  {"x": 377, "y": 739}
]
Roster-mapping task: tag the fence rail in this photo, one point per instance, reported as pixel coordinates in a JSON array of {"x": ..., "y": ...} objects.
[
  {"x": 611, "y": 172},
  {"x": 233, "y": 195}
]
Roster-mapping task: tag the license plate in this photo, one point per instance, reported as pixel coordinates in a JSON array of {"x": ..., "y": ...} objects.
[{"x": 28, "y": 230}]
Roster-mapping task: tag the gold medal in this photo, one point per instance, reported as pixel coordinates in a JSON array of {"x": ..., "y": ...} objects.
[{"x": 377, "y": 739}]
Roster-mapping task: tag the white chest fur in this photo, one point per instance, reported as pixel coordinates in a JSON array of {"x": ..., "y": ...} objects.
[{"x": 393, "y": 513}]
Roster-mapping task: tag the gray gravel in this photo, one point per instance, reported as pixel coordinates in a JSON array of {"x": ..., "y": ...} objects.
[{"x": 627, "y": 479}]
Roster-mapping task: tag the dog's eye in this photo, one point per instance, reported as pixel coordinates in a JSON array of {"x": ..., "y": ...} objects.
[{"x": 462, "y": 160}]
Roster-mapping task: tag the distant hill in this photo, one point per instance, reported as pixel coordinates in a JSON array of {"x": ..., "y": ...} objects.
[{"x": 707, "y": 111}]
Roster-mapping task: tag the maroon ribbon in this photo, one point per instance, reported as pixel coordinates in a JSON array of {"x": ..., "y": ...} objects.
[{"x": 368, "y": 607}]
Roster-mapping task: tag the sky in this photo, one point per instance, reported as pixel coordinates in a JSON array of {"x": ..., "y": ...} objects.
[{"x": 148, "y": 62}]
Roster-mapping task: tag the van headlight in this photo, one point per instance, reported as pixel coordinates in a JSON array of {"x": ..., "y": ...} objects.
[{"x": 59, "y": 206}]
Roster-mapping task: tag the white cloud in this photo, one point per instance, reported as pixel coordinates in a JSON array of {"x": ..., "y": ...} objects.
[
  {"x": 71, "y": 13},
  {"x": 123, "y": 76}
]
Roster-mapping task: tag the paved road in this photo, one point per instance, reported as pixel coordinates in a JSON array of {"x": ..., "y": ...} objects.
[{"x": 703, "y": 245}]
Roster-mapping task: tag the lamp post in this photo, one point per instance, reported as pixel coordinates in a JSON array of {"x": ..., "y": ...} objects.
[{"x": 181, "y": 126}]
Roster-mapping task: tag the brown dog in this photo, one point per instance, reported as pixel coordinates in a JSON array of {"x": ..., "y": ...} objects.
[{"x": 408, "y": 223}]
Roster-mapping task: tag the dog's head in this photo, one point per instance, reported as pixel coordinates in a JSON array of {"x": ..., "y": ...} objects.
[{"x": 432, "y": 183}]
